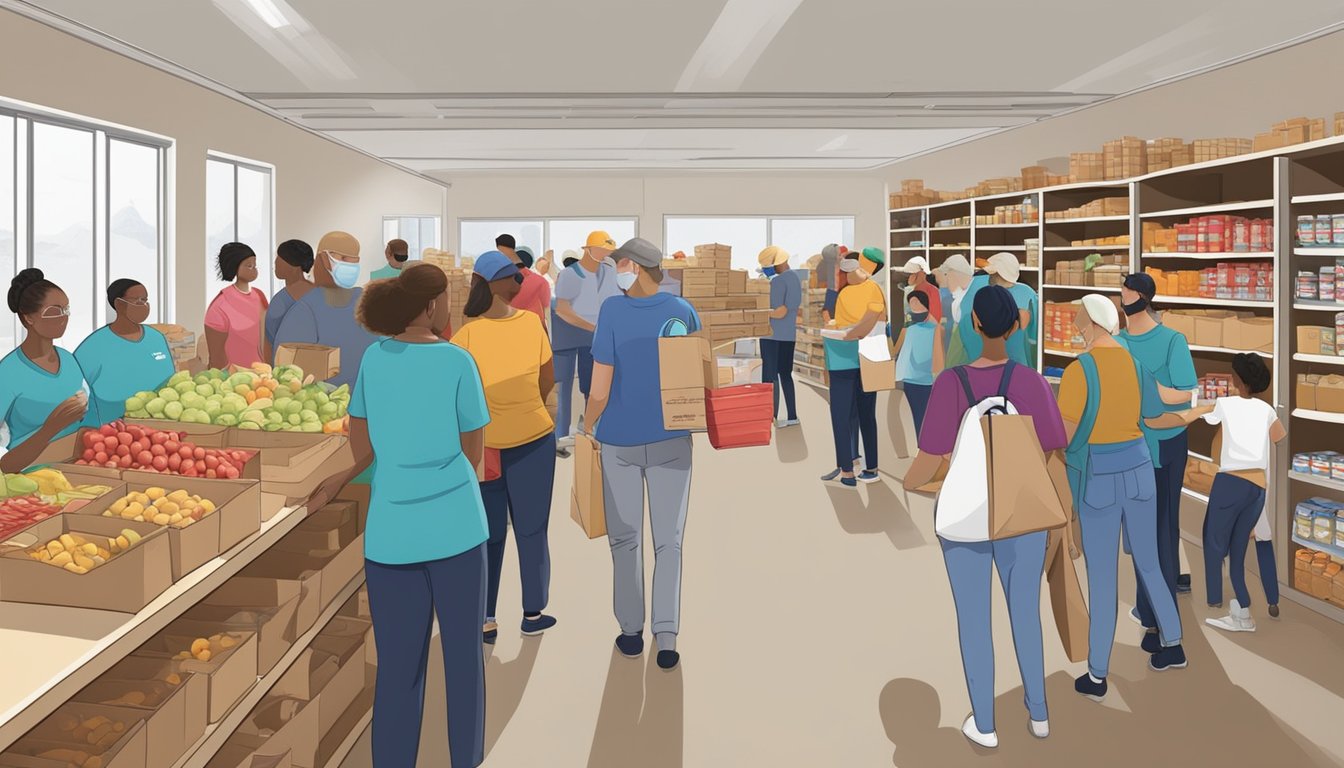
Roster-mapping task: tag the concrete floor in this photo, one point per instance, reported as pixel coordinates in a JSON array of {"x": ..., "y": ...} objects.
[{"x": 818, "y": 630}]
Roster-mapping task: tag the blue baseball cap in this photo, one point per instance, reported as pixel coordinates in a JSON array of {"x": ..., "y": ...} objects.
[{"x": 493, "y": 265}]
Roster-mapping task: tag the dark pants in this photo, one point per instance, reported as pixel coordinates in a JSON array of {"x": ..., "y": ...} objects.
[
  {"x": 777, "y": 369},
  {"x": 1173, "y": 454},
  {"x": 404, "y": 600},
  {"x": 522, "y": 494},
  {"x": 848, "y": 403},
  {"x": 828, "y": 305},
  {"x": 1235, "y": 504},
  {"x": 567, "y": 363},
  {"x": 1269, "y": 570},
  {"x": 918, "y": 397}
]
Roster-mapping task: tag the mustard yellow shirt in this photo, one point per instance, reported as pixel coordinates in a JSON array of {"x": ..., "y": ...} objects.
[
  {"x": 855, "y": 301},
  {"x": 1121, "y": 398},
  {"x": 510, "y": 354}
]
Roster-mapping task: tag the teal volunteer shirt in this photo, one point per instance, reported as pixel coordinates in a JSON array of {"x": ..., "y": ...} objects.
[
  {"x": 1165, "y": 354},
  {"x": 116, "y": 368},
  {"x": 386, "y": 273},
  {"x": 28, "y": 394},
  {"x": 425, "y": 501}
]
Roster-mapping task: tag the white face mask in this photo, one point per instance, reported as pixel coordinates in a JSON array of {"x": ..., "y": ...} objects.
[
  {"x": 626, "y": 280},
  {"x": 343, "y": 273}
]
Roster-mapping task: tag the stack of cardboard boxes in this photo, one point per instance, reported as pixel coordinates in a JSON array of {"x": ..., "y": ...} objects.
[
  {"x": 728, "y": 307},
  {"x": 1320, "y": 393},
  {"x": 1107, "y": 271},
  {"x": 1124, "y": 158},
  {"x": 1210, "y": 234},
  {"x": 1106, "y": 206},
  {"x": 1206, "y": 150},
  {"x": 459, "y": 281},
  {"x": 1240, "y": 331},
  {"x": 1164, "y": 154},
  {"x": 1297, "y": 130},
  {"x": 1322, "y": 340},
  {"x": 181, "y": 344}
]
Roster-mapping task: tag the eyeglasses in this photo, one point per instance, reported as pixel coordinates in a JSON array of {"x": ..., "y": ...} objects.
[
  {"x": 135, "y": 303},
  {"x": 54, "y": 312}
]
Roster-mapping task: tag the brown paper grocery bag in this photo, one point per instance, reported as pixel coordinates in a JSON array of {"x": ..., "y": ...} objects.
[
  {"x": 1066, "y": 595},
  {"x": 686, "y": 367},
  {"x": 877, "y": 375},
  {"x": 1022, "y": 497},
  {"x": 319, "y": 360},
  {"x": 586, "y": 503}
]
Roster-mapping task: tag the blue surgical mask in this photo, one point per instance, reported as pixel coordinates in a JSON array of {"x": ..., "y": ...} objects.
[
  {"x": 626, "y": 280},
  {"x": 768, "y": 271},
  {"x": 919, "y": 317},
  {"x": 344, "y": 273}
]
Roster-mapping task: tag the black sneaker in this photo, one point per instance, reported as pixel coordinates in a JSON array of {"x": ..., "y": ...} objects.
[
  {"x": 1092, "y": 690},
  {"x": 1274, "y": 611},
  {"x": 830, "y": 476},
  {"x": 1183, "y": 584},
  {"x": 532, "y": 627},
  {"x": 1152, "y": 642},
  {"x": 1172, "y": 657},
  {"x": 563, "y": 453},
  {"x": 630, "y": 646},
  {"x": 668, "y": 660},
  {"x": 489, "y": 632}
]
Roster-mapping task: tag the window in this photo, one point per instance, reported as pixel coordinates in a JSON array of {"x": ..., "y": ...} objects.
[
  {"x": 419, "y": 232},
  {"x": 802, "y": 237},
  {"x": 572, "y": 234},
  {"x": 83, "y": 202},
  {"x": 238, "y": 209},
  {"x": 478, "y": 236},
  {"x": 560, "y": 235}
]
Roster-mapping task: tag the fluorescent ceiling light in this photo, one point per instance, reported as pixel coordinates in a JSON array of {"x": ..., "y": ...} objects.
[
  {"x": 267, "y": 11},
  {"x": 743, "y": 31},
  {"x": 834, "y": 144}
]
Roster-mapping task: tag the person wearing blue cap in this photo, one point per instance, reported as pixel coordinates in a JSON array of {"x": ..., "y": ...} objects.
[
  {"x": 1165, "y": 354},
  {"x": 513, "y": 353}
]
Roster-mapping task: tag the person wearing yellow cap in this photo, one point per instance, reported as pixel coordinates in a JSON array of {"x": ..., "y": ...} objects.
[
  {"x": 786, "y": 296},
  {"x": 326, "y": 315},
  {"x": 1004, "y": 270},
  {"x": 580, "y": 292}
]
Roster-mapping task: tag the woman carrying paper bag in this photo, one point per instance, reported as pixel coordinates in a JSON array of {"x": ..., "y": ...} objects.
[{"x": 860, "y": 315}]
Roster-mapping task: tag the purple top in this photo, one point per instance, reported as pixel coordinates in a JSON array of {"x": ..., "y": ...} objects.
[{"x": 1028, "y": 391}]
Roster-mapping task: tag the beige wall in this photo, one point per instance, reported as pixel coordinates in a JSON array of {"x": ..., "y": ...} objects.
[
  {"x": 319, "y": 185},
  {"x": 652, "y": 197},
  {"x": 1236, "y": 101}
]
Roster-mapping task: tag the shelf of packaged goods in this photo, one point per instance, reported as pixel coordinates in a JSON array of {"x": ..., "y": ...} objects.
[
  {"x": 1328, "y": 549},
  {"x": 1307, "y": 250},
  {"x": 1087, "y": 219},
  {"x": 1196, "y": 495},
  {"x": 1026, "y": 225},
  {"x": 1318, "y": 306},
  {"x": 1087, "y": 248},
  {"x": 1323, "y": 359},
  {"x": 1249, "y": 205},
  {"x": 1087, "y": 288},
  {"x": 908, "y": 229},
  {"x": 1209, "y": 256},
  {"x": 43, "y": 668},
  {"x": 1200, "y": 301},
  {"x": 951, "y": 228},
  {"x": 1326, "y": 198},
  {"x": 204, "y": 750},
  {"x": 1322, "y": 416},
  {"x": 1319, "y": 482},
  {"x": 1227, "y": 351},
  {"x": 1016, "y": 248},
  {"x": 1061, "y": 352}
]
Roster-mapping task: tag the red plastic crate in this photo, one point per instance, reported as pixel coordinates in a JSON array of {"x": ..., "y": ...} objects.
[{"x": 741, "y": 416}]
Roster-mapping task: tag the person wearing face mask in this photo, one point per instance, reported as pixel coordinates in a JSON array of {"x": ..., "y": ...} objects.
[
  {"x": 1105, "y": 396},
  {"x": 425, "y": 540},
  {"x": 43, "y": 394},
  {"x": 964, "y": 343},
  {"x": 580, "y": 292},
  {"x": 859, "y": 309},
  {"x": 1166, "y": 355},
  {"x": 786, "y": 296},
  {"x": 235, "y": 319},
  {"x": 640, "y": 457},
  {"x": 919, "y": 275},
  {"x": 514, "y": 356},
  {"x": 919, "y": 356},
  {"x": 125, "y": 356},
  {"x": 535, "y": 295},
  {"x": 326, "y": 316}
]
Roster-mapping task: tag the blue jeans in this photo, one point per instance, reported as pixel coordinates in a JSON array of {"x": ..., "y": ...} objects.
[
  {"x": 404, "y": 600},
  {"x": 1020, "y": 562},
  {"x": 1120, "y": 492},
  {"x": 567, "y": 361},
  {"x": 1173, "y": 453},
  {"x": 522, "y": 493},
  {"x": 918, "y": 397},
  {"x": 850, "y": 404},
  {"x": 1235, "y": 504}
]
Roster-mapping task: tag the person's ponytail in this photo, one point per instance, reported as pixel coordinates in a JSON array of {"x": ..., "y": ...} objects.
[
  {"x": 480, "y": 299},
  {"x": 387, "y": 307}
]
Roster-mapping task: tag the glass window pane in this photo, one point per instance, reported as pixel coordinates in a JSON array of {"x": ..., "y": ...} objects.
[
  {"x": 220, "y": 227},
  {"x": 429, "y": 235},
  {"x": 133, "y": 217},
  {"x": 254, "y": 222},
  {"x": 62, "y": 168},
  {"x": 746, "y": 236},
  {"x": 7, "y": 246},
  {"x": 479, "y": 236},
  {"x": 804, "y": 238},
  {"x": 571, "y": 234},
  {"x": 391, "y": 227}
]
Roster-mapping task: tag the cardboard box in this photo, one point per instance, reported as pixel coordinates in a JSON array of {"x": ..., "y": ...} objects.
[
  {"x": 343, "y": 634},
  {"x": 1209, "y": 328},
  {"x": 278, "y": 725},
  {"x": 174, "y": 715},
  {"x": 189, "y": 548},
  {"x": 1182, "y": 322},
  {"x": 238, "y": 756},
  {"x": 269, "y": 607},
  {"x": 333, "y": 527},
  {"x": 276, "y": 566},
  {"x": 329, "y": 571},
  {"x": 126, "y": 583},
  {"x": 228, "y": 675},
  {"x": 1306, "y": 390},
  {"x": 321, "y": 362},
  {"x": 128, "y": 751},
  {"x": 685, "y": 368},
  {"x": 1249, "y": 333},
  {"x": 1309, "y": 340},
  {"x": 1330, "y": 394},
  {"x": 332, "y": 682},
  {"x": 69, "y": 449}
]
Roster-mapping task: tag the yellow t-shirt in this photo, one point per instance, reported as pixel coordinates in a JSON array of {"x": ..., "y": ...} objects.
[
  {"x": 1121, "y": 399},
  {"x": 510, "y": 354},
  {"x": 855, "y": 301}
]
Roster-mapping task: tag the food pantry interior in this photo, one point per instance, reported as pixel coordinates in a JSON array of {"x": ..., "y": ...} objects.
[{"x": 510, "y": 385}]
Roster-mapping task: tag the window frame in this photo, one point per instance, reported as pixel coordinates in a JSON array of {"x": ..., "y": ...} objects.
[
  {"x": 438, "y": 228},
  {"x": 769, "y": 220},
  {"x": 545, "y": 225},
  {"x": 256, "y": 166}
]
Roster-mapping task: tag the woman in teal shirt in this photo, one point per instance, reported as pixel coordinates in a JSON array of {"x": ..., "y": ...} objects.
[
  {"x": 124, "y": 356},
  {"x": 1004, "y": 270},
  {"x": 919, "y": 357},
  {"x": 424, "y": 544},
  {"x": 43, "y": 395}
]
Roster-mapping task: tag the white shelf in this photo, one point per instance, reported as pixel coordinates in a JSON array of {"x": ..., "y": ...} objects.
[
  {"x": 1030, "y": 224},
  {"x": 1229, "y": 351},
  {"x": 950, "y": 229},
  {"x": 1088, "y": 219},
  {"x": 1249, "y": 205},
  {"x": 949, "y": 248},
  {"x": 1323, "y": 251},
  {"x": 908, "y": 229},
  {"x": 1335, "y": 552},
  {"x": 1318, "y": 307},
  {"x": 911, "y": 248},
  {"x": 1328, "y": 198},
  {"x": 1087, "y": 248},
  {"x": 1025, "y": 268},
  {"x": 42, "y": 668},
  {"x": 1199, "y": 301},
  {"x": 1209, "y": 256},
  {"x": 1016, "y": 248},
  {"x": 1320, "y": 482},
  {"x": 1088, "y": 288},
  {"x": 1324, "y": 416},
  {"x": 1196, "y": 495},
  {"x": 1325, "y": 359},
  {"x": 1200, "y": 456},
  {"x": 1060, "y": 352}
]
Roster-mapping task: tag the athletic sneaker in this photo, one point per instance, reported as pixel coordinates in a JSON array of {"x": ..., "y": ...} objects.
[
  {"x": 1172, "y": 657},
  {"x": 1152, "y": 642},
  {"x": 563, "y": 453},
  {"x": 1183, "y": 584},
  {"x": 831, "y": 476},
  {"x": 849, "y": 482},
  {"x": 785, "y": 423},
  {"x": 565, "y": 442},
  {"x": 668, "y": 660},
  {"x": 1274, "y": 611},
  {"x": 1237, "y": 620},
  {"x": 630, "y": 646},
  {"x": 1090, "y": 688},
  {"x": 533, "y": 627},
  {"x": 869, "y": 476},
  {"x": 1039, "y": 728},
  {"x": 973, "y": 734},
  {"x": 490, "y": 631}
]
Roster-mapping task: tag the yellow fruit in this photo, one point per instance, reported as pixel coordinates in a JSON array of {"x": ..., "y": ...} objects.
[
  {"x": 54, "y": 547},
  {"x": 90, "y": 549},
  {"x": 123, "y": 541},
  {"x": 75, "y": 569},
  {"x": 84, "y": 562},
  {"x": 183, "y": 656},
  {"x": 134, "y": 509},
  {"x": 162, "y": 519},
  {"x": 207, "y": 505},
  {"x": 173, "y": 679},
  {"x": 119, "y": 505},
  {"x": 226, "y": 642},
  {"x": 170, "y": 508},
  {"x": 174, "y": 519},
  {"x": 107, "y": 513},
  {"x": 178, "y": 496},
  {"x": 63, "y": 559},
  {"x": 155, "y": 493},
  {"x": 132, "y": 537},
  {"x": 68, "y": 541},
  {"x": 140, "y": 498},
  {"x": 204, "y": 655},
  {"x": 199, "y": 644}
]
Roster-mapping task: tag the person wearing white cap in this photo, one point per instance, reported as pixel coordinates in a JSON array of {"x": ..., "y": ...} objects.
[
  {"x": 964, "y": 345},
  {"x": 786, "y": 296},
  {"x": 918, "y": 274},
  {"x": 1004, "y": 270},
  {"x": 1110, "y": 470}
]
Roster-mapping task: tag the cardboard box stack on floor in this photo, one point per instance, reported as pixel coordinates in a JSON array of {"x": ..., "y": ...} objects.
[
  {"x": 459, "y": 281},
  {"x": 730, "y": 306}
]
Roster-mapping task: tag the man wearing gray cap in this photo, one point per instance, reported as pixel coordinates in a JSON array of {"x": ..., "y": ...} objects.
[
  {"x": 637, "y": 451},
  {"x": 830, "y": 260}
]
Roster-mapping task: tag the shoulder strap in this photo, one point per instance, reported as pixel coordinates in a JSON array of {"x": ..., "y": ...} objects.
[
  {"x": 1004, "y": 379},
  {"x": 1090, "y": 406},
  {"x": 960, "y": 372}
]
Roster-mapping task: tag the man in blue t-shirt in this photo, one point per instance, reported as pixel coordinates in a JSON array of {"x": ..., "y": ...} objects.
[
  {"x": 580, "y": 292},
  {"x": 637, "y": 451},
  {"x": 1165, "y": 354},
  {"x": 786, "y": 296}
]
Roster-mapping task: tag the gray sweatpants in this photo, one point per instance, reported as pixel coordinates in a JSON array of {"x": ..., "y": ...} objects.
[{"x": 666, "y": 469}]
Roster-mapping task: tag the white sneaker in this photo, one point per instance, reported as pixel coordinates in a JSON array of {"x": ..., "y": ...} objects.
[
  {"x": 565, "y": 442},
  {"x": 783, "y": 423},
  {"x": 1041, "y": 729},
  {"x": 1238, "y": 620},
  {"x": 973, "y": 734}
]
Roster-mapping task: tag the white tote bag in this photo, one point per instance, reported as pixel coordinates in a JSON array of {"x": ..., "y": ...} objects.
[{"x": 962, "y": 510}]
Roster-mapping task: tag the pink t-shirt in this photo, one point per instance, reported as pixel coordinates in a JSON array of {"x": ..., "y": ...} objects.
[
  {"x": 534, "y": 296},
  {"x": 238, "y": 315}
]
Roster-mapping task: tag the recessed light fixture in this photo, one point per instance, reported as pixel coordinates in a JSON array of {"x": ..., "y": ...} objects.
[{"x": 268, "y": 12}]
